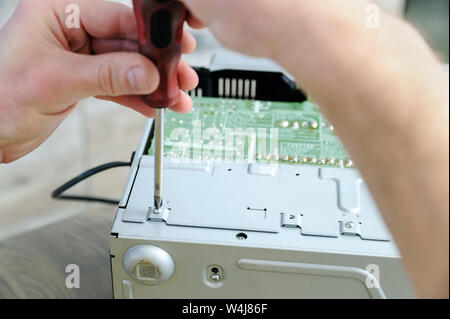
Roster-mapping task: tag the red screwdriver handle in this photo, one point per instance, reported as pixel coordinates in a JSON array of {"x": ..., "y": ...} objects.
[{"x": 160, "y": 24}]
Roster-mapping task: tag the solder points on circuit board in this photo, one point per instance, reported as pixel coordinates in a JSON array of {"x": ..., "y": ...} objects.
[{"x": 269, "y": 132}]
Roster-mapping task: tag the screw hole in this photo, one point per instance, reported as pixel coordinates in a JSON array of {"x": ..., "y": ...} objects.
[
  {"x": 291, "y": 217},
  {"x": 229, "y": 169},
  {"x": 241, "y": 236},
  {"x": 298, "y": 174},
  {"x": 214, "y": 270}
]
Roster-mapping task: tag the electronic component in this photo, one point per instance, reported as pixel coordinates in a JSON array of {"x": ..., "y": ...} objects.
[{"x": 217, "y": 127}]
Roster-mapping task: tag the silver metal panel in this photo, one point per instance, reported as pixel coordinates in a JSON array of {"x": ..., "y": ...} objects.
[
  {"x": 127, "y": 289},
  {"x": 257, "y": 272},
  {"x": 361, "y": 275},
  {"x": 306, "y": 194},
  {"x": 287, "y": 238},
  {"x": 193, "y": 190},
  {"x": 348, "y": 188},
  {"x": 355, "y": 203},
  {"x": 372, "y": 224},
  {"x": 135, "y": 164},
  {"x": 317, "y": 235},
  {"x": 245, "y": 196}
]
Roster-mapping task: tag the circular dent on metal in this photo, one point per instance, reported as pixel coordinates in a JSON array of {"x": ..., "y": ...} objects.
[{"x": 148, "y": 265}]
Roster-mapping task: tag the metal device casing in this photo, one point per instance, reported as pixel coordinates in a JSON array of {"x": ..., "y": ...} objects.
[{"x": 321, "y": 237}]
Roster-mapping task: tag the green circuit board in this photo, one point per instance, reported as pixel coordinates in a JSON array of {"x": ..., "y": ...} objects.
[{"x": 257, "y": 131}]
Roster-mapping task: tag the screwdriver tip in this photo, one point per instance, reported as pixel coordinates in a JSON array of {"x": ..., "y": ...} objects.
[{"x": 158, "y": 202}]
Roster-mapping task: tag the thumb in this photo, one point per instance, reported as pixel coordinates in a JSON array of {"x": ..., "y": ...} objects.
[{"x": 112, "y": 74}]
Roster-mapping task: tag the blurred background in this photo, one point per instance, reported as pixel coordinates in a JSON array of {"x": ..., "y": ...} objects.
[{"x": 40, "y": 236}]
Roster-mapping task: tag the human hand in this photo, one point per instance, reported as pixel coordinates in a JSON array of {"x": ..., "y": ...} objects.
[{"x": 46, "y": 68}]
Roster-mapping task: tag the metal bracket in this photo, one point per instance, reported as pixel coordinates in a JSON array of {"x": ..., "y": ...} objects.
[
  {"x": 350, "y": 228},
  {"x": 291, "y": 220},
  {"x": 158, "y": 216}
]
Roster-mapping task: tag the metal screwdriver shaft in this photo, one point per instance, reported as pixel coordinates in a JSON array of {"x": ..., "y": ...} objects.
[{"x": 159, "y": 165}]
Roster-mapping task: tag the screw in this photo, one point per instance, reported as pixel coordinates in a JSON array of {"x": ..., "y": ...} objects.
[
  {"x": 215, "y": 277},
  {"x": 349, "y": 225},
  {"x": 241, "y": 236}
]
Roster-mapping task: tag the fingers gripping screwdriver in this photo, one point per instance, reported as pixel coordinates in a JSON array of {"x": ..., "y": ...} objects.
[{"x": 160, "y": 25}]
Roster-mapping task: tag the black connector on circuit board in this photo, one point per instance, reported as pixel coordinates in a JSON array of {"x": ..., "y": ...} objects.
[{"x": 247, "y": 84}]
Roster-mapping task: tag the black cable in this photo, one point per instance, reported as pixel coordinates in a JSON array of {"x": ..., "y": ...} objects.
[{"x": 57, "y": 194}]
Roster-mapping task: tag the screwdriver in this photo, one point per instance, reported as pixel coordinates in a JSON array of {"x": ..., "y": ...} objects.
[{"x": 160, "y": 25}]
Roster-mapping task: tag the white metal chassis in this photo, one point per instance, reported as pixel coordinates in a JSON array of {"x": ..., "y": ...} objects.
[{"x": 295, "y": 249}]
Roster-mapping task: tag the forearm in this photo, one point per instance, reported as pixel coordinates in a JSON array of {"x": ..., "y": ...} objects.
[
  {"x": 391, "y": 112},
  {"x": 405, "y": 164}
]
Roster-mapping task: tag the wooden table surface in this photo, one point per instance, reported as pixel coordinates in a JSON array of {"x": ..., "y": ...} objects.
[{"x": 33, "y": 265}]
